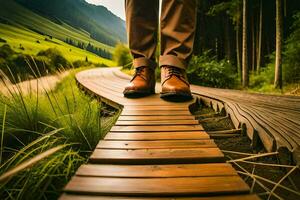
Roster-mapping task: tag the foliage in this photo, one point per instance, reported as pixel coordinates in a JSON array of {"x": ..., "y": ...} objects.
[
  {"x": 6, "y": 51},
  {"x": 35, "y": 123},
  {"x": 2, "y": 40},
  {"x": 232, "y": 9},
  {"x": 98, "y": 51},
  {"x": 55, "y": 58},
  {"x": 205, "y": 70},
  {"x": 122, "y": 56},
  {"x": 91, "y": 48},
  {"x": 291, "y": 67},
  {"x": 263, "y": 80},
  {"x": 81, "y": 63},
  {"x": 46, "y": 61},
  {"x": 46, "y": 178}
]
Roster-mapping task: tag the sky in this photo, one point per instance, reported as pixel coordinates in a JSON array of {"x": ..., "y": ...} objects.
[{"x": 115, "y": 6}]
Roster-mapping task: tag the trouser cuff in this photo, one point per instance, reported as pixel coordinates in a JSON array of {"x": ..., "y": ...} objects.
[
  {"x": 171, "y": 60},
  {"x": 143, "y": 62}
]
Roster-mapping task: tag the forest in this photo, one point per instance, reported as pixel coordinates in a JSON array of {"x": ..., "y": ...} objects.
[{"x": 257, "y": 40}]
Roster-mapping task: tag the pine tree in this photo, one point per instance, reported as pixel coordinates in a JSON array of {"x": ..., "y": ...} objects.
[
  {"x": 278, "y": 59},
  {"x": 245, "y": 49}
]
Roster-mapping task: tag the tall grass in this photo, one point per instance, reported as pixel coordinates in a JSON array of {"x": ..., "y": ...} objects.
[{"x": 46, "y": 137}]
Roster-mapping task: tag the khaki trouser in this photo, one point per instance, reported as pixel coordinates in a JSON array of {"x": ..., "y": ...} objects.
[{"x": 177, "y": 27}]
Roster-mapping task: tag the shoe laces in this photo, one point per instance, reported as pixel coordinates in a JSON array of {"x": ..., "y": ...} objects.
[
  {"x": 174, "y": 71},
  {"x": 139, "y": 72}
]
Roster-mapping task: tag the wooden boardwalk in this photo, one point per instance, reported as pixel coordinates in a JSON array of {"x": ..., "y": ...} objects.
[
  {"x": 270, "y": 120},
  {"x": 156, "y": 150}
]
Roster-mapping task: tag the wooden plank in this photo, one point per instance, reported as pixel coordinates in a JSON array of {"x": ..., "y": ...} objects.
[
  {"x": 156, "y": 128},
  {"x": 155, "y": 118},
  {"x": 86, "y": 197},
  {"x": 170, "y": 107},
  {"x": 151, "y": 171},
  {"x": 166, "y": 144},
  {"x": 192, "y": 135},
  {"x": 226, "y": 132},
  {"x": 155, "y": 112},
  {"x": 158, "y": 122},
  {"x": 157, "y": 156},
  {"x": 157, "y": 186}
]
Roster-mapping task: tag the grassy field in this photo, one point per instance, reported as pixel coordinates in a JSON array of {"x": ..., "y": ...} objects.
[
  {"x": 53, "y": 128},
  {"x": 29, "y": 42},
  {"x": 30, "y": 33}
]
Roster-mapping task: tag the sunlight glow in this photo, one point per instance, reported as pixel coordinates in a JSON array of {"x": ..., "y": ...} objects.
[{"x": 115, "y": 6}]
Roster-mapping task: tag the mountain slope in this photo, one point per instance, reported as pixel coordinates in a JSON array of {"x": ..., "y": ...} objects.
[
  {"x": 16, "y": 15},
  {"x": 100, "y": 23},
  {"x": 27, "y": 32}
]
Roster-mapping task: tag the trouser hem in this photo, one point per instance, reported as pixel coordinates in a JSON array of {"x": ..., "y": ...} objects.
[
  {"x": 144, "y": 62},
  {"x": 171, "y": 60}
]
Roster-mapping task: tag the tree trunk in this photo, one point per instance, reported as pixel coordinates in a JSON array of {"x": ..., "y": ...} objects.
[
  {"x": 227, "y": 40},
  {"x": 253, "y": 63},
  {"x": 238, "y": 50},
  {"x": 258, "y": 64},
  {"x": 245, "y": 49},
  {"x": 278, "y": 61}
]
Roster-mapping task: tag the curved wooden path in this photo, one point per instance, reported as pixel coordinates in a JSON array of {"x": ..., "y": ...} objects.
[
  {"x": 156, "y": 150},
  {"x": 270, "y": 120}
]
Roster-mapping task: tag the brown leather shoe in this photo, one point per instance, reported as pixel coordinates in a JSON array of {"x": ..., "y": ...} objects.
[
  {"x": 175, "y": 86},
  {"x": 142, "y": 84}
]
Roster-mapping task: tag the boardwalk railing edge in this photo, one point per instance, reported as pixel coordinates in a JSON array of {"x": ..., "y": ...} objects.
[
  {"x": 88, "y": 92},
  {"x": 255, "y": 132}
]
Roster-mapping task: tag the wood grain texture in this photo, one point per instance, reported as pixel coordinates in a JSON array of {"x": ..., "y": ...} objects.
[
  {"x": 157, "y": 128},
  {"x": 157, "y": 122},
  {"x": 157, "y": 186},
  {"x": 170, "y": 107},
  {"x": 157, "y": 156},
  {"x": 167, "y": 144},
  {"x": 156, "y": 117},
  {"x": 152, "y": 171},
  {"x": 155, "y": 112},
  {"x": 228, "y": 197},
  {"x": 138, "y": 136}
]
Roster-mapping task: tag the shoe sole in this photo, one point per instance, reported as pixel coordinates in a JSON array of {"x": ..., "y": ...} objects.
[
  {"x": 136, "y": 94},
  {"x": 176, "y": 96}
]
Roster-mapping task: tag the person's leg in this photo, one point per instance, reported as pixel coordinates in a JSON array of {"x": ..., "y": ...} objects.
[
  {"x": 142, "y": 26},
  {"x": 178, "y": 26}
]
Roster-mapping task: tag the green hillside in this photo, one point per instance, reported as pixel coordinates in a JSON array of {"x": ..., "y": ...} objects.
[
  {"x": 102, "y": 25},
  {"x": 28, "y": 42},
  {"x": 28, "y": 32},
  {"x": 16, "y": 15}
]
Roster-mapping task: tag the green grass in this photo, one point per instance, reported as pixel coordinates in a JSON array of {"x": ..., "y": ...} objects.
[
  {"x": 46, "y": 137},
  {"x": 16, "y": 36}
]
